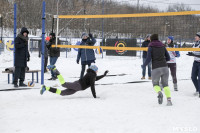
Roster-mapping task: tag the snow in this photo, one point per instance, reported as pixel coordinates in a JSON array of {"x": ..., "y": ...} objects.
[{"x": 120, "y": 108}]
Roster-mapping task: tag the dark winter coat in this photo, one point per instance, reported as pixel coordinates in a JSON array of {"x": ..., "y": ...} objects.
[
  {"x": 158, "y": 54},
  {"x": 89, "y": 81},
  {"x": 86, "y": 54},
  {"x": 21, "y": 49},
  {"x": 145, "y": 44},
  {"x": 53, "y": 52}
]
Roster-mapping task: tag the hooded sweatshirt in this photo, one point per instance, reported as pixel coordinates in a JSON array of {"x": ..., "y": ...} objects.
[{"x": 158, "y": 54}]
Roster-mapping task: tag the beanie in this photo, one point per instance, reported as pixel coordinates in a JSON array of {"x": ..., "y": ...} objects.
[
  {"x": 94, "y": 68},
  {"x": 154, "y": 37}
]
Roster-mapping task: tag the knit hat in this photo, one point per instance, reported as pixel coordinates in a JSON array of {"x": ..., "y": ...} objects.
[
  {"x": 198, "y": 34},
  {"x": 94, "y": 68},
  {"x": 171, "y": 38},
  {"x": 154, "y": 37},
  {"x": 83, "y": 35},
  {"x": 47, "y": 38}
]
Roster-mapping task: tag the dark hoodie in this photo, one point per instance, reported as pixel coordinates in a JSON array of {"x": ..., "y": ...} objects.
[
  {"x": 158, "y": 54},
  {"x": 89, "y": 81}
]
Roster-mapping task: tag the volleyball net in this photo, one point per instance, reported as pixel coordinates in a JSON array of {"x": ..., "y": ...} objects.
[{"x": 181, "y": 25}]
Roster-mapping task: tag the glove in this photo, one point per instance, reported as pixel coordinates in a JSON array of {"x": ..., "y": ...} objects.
[
  {"x": 28, "y": 58},
  {"x": 190, "y": 54},
  {"x": 90, "y": 35},
  {"x": 105, "y": 73},
  {"x": 77, "y": 61}
]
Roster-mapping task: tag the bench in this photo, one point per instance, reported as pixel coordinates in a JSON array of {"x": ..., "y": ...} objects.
[{"x": 30, "y": 71}]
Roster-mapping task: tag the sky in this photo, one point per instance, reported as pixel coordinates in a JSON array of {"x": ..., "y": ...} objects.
[{"x": 162, "y": 5}]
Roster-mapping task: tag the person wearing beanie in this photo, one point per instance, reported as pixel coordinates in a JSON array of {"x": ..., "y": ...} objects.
[
  {"x": 22, "y": 56},
  {"x": 159, "y": 56},
  {"x": 196, "y": 65},
  {"x": 72, "y": 87},
  {"x": 144, "y": 57},
  {"x": 172, "y": 63},
  {"x": 87, "y": 56},
  {"x": 54, "y": 52}
]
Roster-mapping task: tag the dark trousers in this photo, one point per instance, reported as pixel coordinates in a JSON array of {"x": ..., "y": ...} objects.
[
  {"x": 196, "y": 75},
  {"x": 71, "y": 88},
  {"x": 19, "y": 74},
  {"x": 172, "y": 67},
  {"x": 83, "y": 69},
  {"x": 144, "y": 69},
  {"x": 45, "y": 64},
  {"x": 53, "y": 62}
]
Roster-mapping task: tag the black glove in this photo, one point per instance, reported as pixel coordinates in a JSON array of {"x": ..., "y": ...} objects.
[
  {"x": 190, "y": 54},
  {"x": 28, "y": 58},
  {"x": 77, "y": 61},
  {"x": 105, "y": 73},
  {"x": 90, "y": 35}
]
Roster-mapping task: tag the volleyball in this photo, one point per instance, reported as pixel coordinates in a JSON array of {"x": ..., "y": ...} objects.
[
  {"x": 10, "y": 45},
  {"x": 31, "y": 84}
]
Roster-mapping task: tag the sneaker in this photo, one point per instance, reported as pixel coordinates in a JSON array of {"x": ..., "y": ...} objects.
[
  {"x": 52, "y": 78},
  {"x": 169, "y": 102},
  {"x": 22, "y": 85},
  {"x": 55, "y": 72},
  {"x": 149, "y": 78},
  {"x": 143, "y": 78},
  {"x": 196, "y": 93},
  {"x": 160, "y": 97},
  {"x": 43, "y": 89},
  {"x": 175, "y": 89},
  {"x": 15, "y": 85}
]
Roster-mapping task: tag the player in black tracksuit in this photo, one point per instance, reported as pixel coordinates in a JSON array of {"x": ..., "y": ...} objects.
[{"x": 72, "y": 87}]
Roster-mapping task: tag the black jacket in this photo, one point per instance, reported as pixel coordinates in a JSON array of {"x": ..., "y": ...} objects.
[
  {"x": 145, "y": 44},
  {"x": 89, "y": 81},
  {"x": 53, "y": 52},
  {"x": 21, "y": 49}
]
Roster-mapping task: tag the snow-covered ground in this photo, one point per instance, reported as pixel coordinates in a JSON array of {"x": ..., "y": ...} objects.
[{"x": 120, "y": 108}]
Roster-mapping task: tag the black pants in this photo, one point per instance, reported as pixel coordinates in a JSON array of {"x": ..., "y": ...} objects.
[
  {"x": 19, "y": 74},
  {"x": 83, "y": 69}
]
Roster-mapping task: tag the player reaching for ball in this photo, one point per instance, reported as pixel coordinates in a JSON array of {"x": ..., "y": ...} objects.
[{"x": 72, "y": 87}]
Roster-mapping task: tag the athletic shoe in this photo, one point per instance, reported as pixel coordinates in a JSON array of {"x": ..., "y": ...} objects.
[
  {"x": 160, "y": 97},
  {"x": 175, "y": 89},
  {"x": 22, "y": 85},
  {"x": 55, "y": 72},
  {"x": 15, "y": 85},
  {"x": 143, "y": 78},
  {"x": 43, "y": 89},
  {"x": 53, "y": 78},
  {"x": 169, "y": 102}
]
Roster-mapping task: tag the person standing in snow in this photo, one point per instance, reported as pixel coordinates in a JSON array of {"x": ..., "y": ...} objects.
[
  {"x": 46, "y": 53},
  {"x": 72, "y": 87},
  {"x": 159, "y": 56},
  {"x": 172, "y": 63},
  {"x": 54, "y": 52},
  {"x": 144, "y": 57},
  {"x": 196, "y": 65},
  {"x": 21, "y": 57},
  {"x": 87, "y": 56}
]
